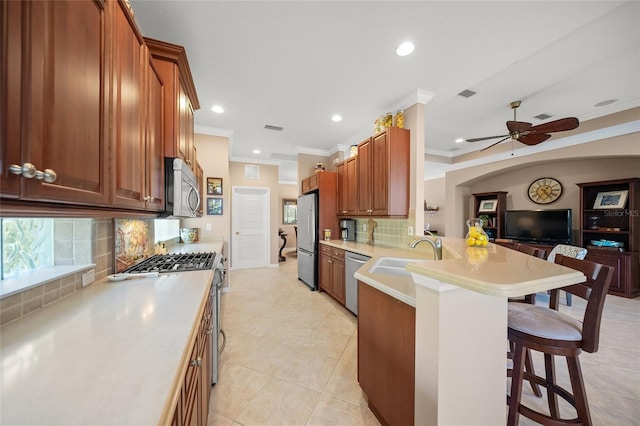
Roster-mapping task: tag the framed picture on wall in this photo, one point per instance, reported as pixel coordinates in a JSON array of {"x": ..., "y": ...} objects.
[
  {"x": 214, "y": 206},
  {"x": 488, "y": 206},
  {"x": 611, "y": 200},
  {"x": 214, "y": 186}
]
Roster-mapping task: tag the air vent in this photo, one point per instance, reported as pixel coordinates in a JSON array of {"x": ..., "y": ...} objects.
[
  {"x": 543, "y": 116},
  {"x": 467, "y": 93},
  {"x": 272, "y": 127}
]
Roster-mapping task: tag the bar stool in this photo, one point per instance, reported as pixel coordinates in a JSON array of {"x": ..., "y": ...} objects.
[
  {"x": 554, "y": 333},
  {"x": 531, "y": 299}
]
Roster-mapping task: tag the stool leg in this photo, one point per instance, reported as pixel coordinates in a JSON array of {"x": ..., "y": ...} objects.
[
  {"x": 579, "y": 393},
  {"x": 528, "y": 367},
  {"x": 516, "y": 385},
  {"x": 552, "y": 397}
]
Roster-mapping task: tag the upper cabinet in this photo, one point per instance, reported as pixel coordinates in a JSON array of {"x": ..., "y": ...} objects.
[
  {"x": 180, "y": 99},
  {"x": 55, "y": 81},
  {"x": 381, "y": 176},
  {"x": 138, "y": 163},
  {"x": 347, "y": 188}
]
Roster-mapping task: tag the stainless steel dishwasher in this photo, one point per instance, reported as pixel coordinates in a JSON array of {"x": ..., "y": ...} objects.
[{"x": 353, "y": 263}]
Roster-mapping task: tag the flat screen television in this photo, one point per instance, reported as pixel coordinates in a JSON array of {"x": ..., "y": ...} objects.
[{"x": 539, "y": 226}]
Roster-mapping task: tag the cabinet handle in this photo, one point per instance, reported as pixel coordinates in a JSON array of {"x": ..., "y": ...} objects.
[
  {"x": 30, "y": 171},
  {"x": 196, "y": 362},
  {"x": 206, "y": 317},
  {"x": 210, "y": 330},
  {"x": 146, "y": 198},
  {"x": 330, "y": 261},
  {"x": 27, "y": 170},
  {"x": 48, "y": 175}
]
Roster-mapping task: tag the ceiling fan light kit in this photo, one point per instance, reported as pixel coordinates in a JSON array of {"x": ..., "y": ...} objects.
[{"x": 527, "y": 133}]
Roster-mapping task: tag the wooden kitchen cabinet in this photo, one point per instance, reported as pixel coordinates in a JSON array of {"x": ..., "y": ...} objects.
[
  {"x": 324, "y": 185},
  {"x": 347, "y": 187},
  {"x": 386, "y": 355},
  {"x": 180, "y": 99},
  {"x": 192, "y": 407},
  {"x": 138, "y": 165},
  {"x": 331, "y": 272},
  {"x": 200, "y": 179},
  {"x": 55, "y": 78},
  {"x": 381, "y": 182}
]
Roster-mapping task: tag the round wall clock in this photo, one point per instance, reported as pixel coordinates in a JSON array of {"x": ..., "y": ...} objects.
[{"x": 544, "y": 190}]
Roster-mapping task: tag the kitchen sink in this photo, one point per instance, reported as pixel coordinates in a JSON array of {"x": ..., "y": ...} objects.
[{"x": 393, "y": 266}]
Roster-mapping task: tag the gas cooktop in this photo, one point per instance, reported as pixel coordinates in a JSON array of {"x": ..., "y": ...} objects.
[{"x": 174, "y": 263}]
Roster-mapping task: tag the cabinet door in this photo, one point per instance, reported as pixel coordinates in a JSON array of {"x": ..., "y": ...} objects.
[
  {"x": 185, "y": 126},
  {"x": 11, "y": 99},
  {"x": 337, "y": 280},
  {"x": 386, "y": 354},
  {"x": 129, "y": 102},
  {"x": 154, "y": 140},
  {"x": 324, "y": 273},
  {"x": 364, "y": 177},
  {"x": 200, "y": 179},
  {"x": 67, "y": 120},
  {"x": 380, "y": 174},
  {"x": 341, "y": 189}
]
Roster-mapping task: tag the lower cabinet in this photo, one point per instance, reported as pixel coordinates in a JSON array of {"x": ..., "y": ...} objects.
[
  {"x": 626, "y": 265},
  {"x": 386, "y": 355},
  {"x": 331, "y": 274},
  {"x": 192, "y": 407}
]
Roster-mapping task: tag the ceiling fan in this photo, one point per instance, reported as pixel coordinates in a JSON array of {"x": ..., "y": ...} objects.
[{"x": 529, "y": 134}]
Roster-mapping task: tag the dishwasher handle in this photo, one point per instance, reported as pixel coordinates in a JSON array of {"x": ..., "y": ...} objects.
[{"x": 352, "y": 259}]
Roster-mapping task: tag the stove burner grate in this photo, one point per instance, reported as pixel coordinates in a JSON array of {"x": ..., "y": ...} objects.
[{"x": 174, "y": 263}]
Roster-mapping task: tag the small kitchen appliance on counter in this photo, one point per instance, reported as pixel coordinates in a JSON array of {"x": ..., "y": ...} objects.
[{"x": 348, "y": 230}]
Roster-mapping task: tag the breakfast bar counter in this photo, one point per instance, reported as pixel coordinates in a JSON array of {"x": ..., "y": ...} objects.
[{"x": 461, "y": 327}]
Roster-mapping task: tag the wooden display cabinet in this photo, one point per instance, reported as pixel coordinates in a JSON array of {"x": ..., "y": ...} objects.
[
  {"x": 496, "y": 217},
  {"x": 604, "y": 217}
]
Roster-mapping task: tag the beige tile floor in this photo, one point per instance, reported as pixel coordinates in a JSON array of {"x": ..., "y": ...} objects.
[{"x": 291, "y": 354}]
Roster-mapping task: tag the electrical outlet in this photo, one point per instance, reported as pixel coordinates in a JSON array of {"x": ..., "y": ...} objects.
[
  {"x": 88, "y": 277},
  {"x": 208, "y": 227},
  {"x": 410, "y": 231},
  {"x": 364, "y": 227}
]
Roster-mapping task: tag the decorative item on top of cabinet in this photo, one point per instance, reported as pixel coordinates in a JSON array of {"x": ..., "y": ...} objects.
[
  {"x": 383, "y": 174},
  {"x": 610, "y": 230},
  {"x": 490, "y": 207},
  {"x": 180, "y": 99},
  {"x": 49, "y": 154}
]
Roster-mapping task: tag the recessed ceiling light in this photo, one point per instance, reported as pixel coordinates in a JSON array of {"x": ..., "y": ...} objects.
[
  {"x": 256, "y": 151},
  {"x": 405, "y": 49},
  {"x": 336, "y": 118},
  {"x": 217, "y": 109},
  {"x": 605, "y": 103},
  {"x": 459, "y": 140}
]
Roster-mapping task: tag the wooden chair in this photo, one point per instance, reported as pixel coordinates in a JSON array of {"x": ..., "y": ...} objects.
[
  {"x": 532, "y": 251},
  {"x": 554, "y": 333}
]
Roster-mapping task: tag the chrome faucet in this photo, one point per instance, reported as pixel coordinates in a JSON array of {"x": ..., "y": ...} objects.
[{"x": 437, "y": 245}]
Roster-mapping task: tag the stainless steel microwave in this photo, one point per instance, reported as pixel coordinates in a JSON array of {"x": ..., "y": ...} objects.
[{"x": 182, "y": 198}]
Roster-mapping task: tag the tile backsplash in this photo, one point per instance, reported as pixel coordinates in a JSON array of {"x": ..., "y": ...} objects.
[{"x": 70, "y": 251}]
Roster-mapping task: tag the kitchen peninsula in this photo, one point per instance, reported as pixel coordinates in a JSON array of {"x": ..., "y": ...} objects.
[{"x": 461, "y": 326}]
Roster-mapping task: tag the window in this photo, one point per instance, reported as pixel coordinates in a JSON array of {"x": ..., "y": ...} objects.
[
  {"x": 289, "y": 211},
  {"x": 27, "y": 245},
  {"x": 166, "y": 229}
]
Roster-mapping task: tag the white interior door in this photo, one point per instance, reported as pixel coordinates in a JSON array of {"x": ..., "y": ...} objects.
[{"x": 250, "y": 240}]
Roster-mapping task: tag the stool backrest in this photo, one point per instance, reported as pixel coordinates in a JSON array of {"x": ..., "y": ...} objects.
[
  {"x": 599, "y": 278},
  {"x": 567, "y": 250},
  {"x": 533, "y": 251}
]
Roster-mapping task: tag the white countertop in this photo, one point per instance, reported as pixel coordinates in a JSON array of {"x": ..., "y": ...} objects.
[
  {"x": 493, "y": 270},
  {"x": 112, "y": 353}
]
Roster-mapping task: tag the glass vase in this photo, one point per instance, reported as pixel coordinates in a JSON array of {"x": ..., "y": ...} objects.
[{"x": 476, "y": 236}]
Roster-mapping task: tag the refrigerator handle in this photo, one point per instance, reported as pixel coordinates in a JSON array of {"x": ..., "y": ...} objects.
[{"x": 312, "y": 228}]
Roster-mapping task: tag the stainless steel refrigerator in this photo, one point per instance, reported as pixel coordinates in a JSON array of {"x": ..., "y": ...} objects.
[{"x": 308, "y": 240}]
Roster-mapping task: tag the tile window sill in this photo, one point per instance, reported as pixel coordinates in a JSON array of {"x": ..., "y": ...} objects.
[{"x": 16, "y": 285}]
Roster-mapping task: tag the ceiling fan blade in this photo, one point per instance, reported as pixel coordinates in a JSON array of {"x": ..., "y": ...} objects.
[
  {"x": 518, "y": 126},
  {"x": 487, "y": 138},
  {"x": 561, "y": 125},
  {"x": 501, "y": 140},
  {"x": 533, "y": 138}
]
